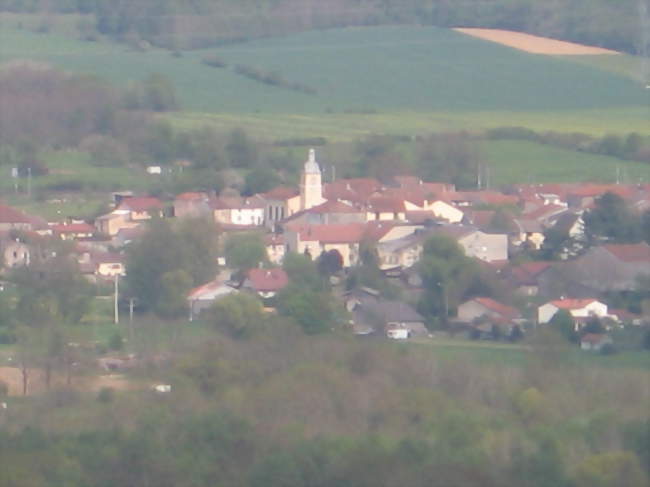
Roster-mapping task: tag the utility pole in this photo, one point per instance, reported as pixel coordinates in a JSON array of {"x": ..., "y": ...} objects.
[
  {"x": 29, "y": 181},
  {"x": 116, "y": 300}
]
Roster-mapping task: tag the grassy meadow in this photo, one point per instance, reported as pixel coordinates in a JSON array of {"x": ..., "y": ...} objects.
[
  {"x": 520, "y": 161},
  {"x": 358, "y": 70}
]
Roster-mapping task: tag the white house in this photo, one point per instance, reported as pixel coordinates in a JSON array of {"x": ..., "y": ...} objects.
[{"x": 578, "y": 308}]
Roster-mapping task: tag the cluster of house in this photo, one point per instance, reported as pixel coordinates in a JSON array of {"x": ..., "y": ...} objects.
[{"x": 396, "y": 218}]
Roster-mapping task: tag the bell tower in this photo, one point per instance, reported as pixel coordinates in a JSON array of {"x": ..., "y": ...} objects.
[{"x": 311, "y": 185}]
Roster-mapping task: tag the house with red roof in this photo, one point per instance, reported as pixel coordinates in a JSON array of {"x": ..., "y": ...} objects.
[
  {"x": 345, "y": 238},
  {"x": 142, "y": 207},
  {"x": 191, "y": 205},
  {"x": 524, "y": 278},
  {"x": 130, "y": 212},
  {"x": 73, "y": 230},
  {"x": 266, "y": 282},
  {"x": 14, "y": 219},
  {"x": 486, "y": 308},
  {"x": 577, "y": 308},
  {"x": 611, "y": 267},
  {"x": 202, "y": 297},
  {"x": 238, "y": 212},
  {"x": 280, "y": 203}
]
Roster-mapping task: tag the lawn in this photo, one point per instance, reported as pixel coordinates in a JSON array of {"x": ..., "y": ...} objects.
[{"x": 517, "y": 355}]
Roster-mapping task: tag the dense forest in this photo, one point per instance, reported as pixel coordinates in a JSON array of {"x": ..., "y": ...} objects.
[
  {"x": 201, "y": 23},
  {"x": 280, "y": 409}
]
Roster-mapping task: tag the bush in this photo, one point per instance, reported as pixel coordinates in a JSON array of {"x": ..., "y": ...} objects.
[
  {"x": 4, "y": 389},
  {"x": 106, "y": 395}
]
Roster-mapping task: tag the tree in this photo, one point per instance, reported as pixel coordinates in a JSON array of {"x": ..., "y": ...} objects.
[
  {"x": 159, "y": 94},
  {"x": 241, "y": 150},
  {"x": 238, "y": 315},
  {"x": 164, "y": 250},
  {"x": 312, "y": 310},
  {"x": 564, "y": 324},
  {"x": 447, "y": 273},
  {"x": 51, "y": 290},
  {"x": 330, "y": 262},
  {"x": 611, "y": 468},
  {"x": 172, "y": 302},
  {"x": 303, "y": 272},
  {"x": 245, "y": 251},
  {"x": 259, "y": 180},
  {"x": 611, "y": 219}
]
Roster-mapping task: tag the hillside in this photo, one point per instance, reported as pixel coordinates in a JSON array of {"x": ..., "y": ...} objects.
[{"x": 351, "y": 70}]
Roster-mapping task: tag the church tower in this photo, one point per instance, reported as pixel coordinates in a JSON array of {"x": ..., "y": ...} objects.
[{"x": 311, "y": 186}]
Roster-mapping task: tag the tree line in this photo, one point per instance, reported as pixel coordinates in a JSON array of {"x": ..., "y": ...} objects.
[{"x": 203, "y": 23}]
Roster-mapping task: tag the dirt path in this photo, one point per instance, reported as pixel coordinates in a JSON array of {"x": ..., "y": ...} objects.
[{"x": 534, "y": 44}]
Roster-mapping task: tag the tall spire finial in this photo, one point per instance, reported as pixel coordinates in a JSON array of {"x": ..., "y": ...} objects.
[{"x": 311, "y": 166}]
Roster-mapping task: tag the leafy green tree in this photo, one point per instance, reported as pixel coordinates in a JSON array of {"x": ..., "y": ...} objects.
[
  {"x": 611, "y": 468},
  {"x": 159, "y": 93},
  {"x": 238, "y": 315},
  {"x": 447, "y": 273},
  {"x": 611, "y": 219},
  {"x": 564, "y": 324},
  {"x": 172, "y": 302},
  {"x": 312, "y": 310},
  {"x": 330, "y": 262},
  {"x": 259, "y": 180},
  {"x": 245, "y": 251},
  {"x": 164, "y": 250},
  {"x": 241, "y": 150},
  {"x": 52, "y": 290},
  {"x": 303, "y": 272}
]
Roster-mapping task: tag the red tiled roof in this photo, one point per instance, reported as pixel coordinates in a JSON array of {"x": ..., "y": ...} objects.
[
  {"x": 630, "y": 252},
  {"x": 497, "y": 307},
  {"x": 73, "y": 228},
  {"x": 480, "y": 218},
  {"x": 191, "y": 196},
  {"x": 333, "y": 233},
  {"x": 491, "y": 198},
  {"x": 593, "y": 190},
  {"x": 280, "y": 193},
  {"x": 141, "y": 203},
  {"x": 266, "y": 280},
  {"x": 544, "y": 211},
  {"x": 572, "y": 303},
  {"x": 333, "y": 206},
  {"x": 207, "y": 287},
  {"x": 358, "y": 190},
  {"x": 12, "y": 215},
  {"x": 386, "y": 204}
]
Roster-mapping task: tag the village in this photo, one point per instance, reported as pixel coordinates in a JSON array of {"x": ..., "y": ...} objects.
[{"x": 504, "y": 231}]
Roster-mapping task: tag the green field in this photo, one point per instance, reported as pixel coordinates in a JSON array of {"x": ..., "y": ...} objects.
[
  {"x": 415, "y": 75},
  {"x": 349, "y": 126},
  {"x": 518, "y": 161}
]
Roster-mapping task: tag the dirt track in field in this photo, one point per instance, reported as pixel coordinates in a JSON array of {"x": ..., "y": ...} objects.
[{"x": 534, "y": 44}]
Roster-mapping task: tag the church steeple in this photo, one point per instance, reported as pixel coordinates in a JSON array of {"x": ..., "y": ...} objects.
[{"x": 311, "y": 187}]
